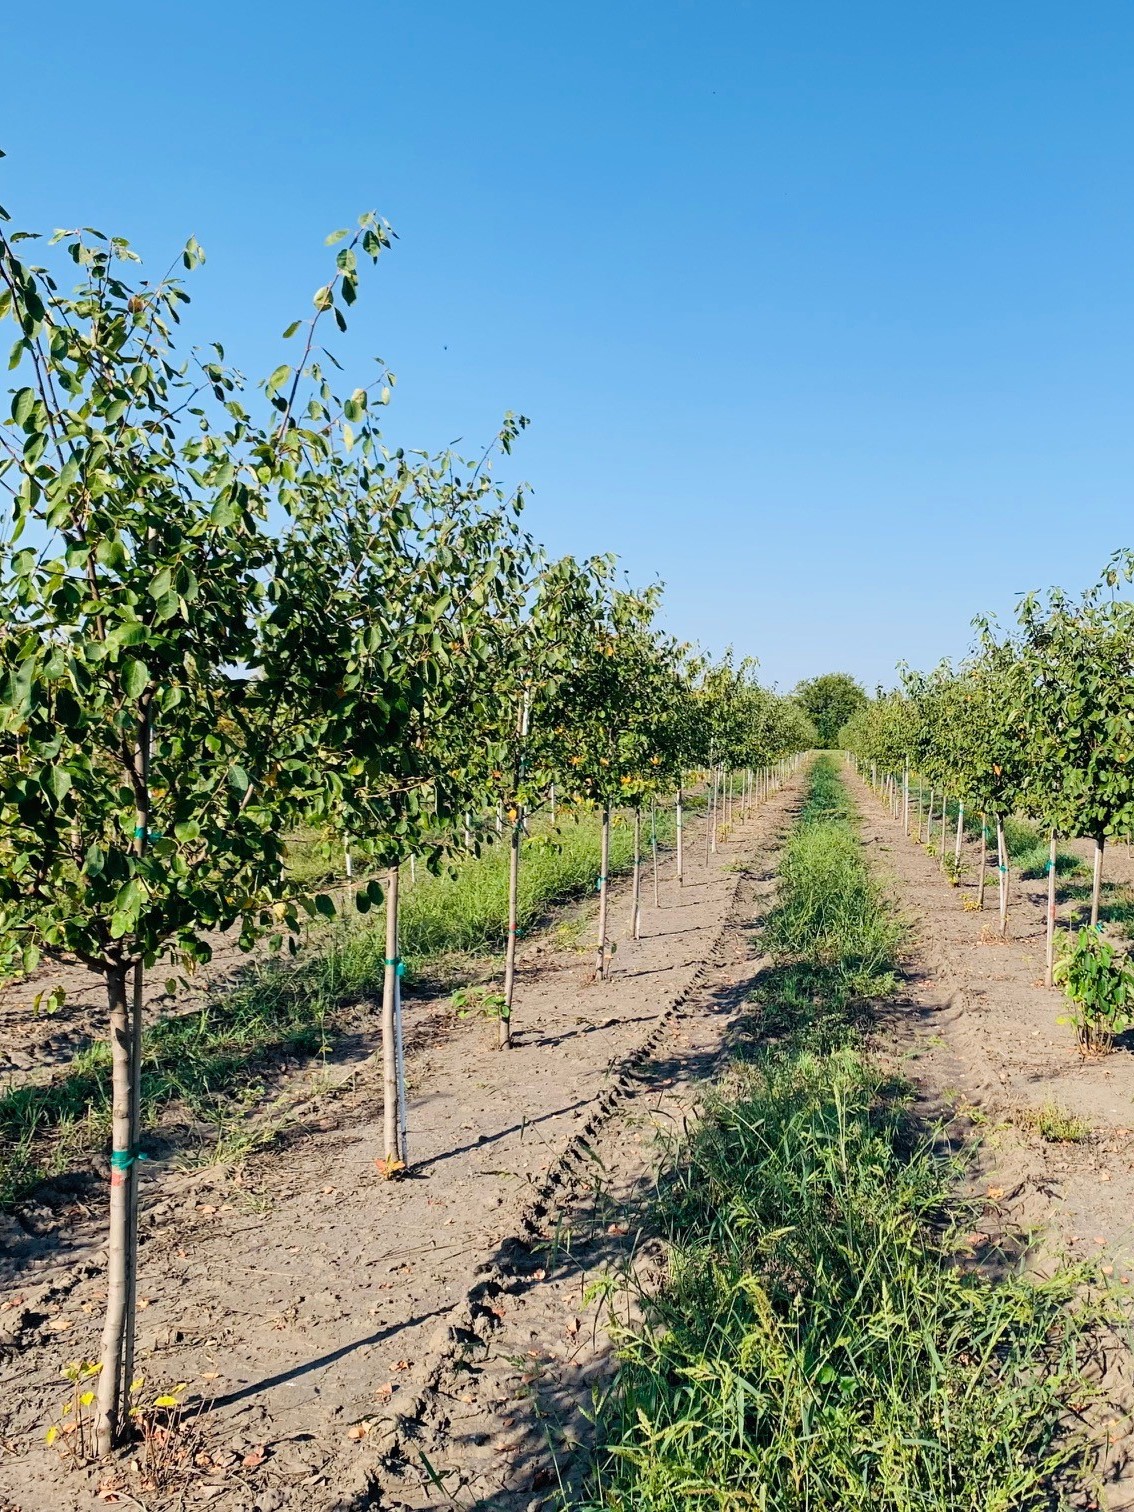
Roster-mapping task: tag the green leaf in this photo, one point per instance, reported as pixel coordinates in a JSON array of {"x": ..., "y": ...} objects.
[{"x": 135, "y": 677}]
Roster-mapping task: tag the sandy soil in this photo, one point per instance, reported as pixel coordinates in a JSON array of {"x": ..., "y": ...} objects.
[{"x": 321, "y": 1316}]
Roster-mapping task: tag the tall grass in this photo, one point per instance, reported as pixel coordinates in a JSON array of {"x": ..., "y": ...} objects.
[
  {"x": 214, "y": 1058},
  {"x": 817, "y": 1346}
]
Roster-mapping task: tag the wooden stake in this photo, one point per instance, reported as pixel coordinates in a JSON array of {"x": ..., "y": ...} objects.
[
  {"x": 389, "y": 1036},
  {"x": 1002, "y": 855},
  {"x": 654, "y": 847},
  {"x": 680, "y": 851},
  {"x": 636, "y": 906},
  {"x": 601, "y": 969},
  {"x": 1096, "y": 880},
  {"x": 505, "y": 1033},
  {"x": 108, "y": 1397},
  {"x": 1049, "y": 973}
]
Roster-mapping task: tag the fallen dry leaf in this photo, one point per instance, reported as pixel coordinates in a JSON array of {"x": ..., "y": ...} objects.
[
  {"x": 254, "y": 1457},
  {"x": 358, "y": 1431}
]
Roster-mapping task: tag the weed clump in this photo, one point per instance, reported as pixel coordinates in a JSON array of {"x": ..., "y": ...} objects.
[{"x": 818, "y": 1343}]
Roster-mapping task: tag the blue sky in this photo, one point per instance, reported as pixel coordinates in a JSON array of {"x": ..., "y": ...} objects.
[{"x": 822, "y": 313}]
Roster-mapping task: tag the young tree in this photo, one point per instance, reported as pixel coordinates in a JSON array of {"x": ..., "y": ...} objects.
[
  {"x": 147, "y": 777},
  {"x": 1075, "y": 706}
]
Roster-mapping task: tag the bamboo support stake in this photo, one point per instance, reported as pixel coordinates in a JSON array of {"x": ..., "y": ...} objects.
[
  {"x": 654, "y": 848},
  {"x": 680, "y": 850},
  {"x": 1049, "y": 972},
  {"x": 636, "y": 904},
  {"x": 107, "y": 1401},
  {"x": 1096, "y": 879},
  {"x": 505, "y": 1030},
  {"x": 1002, "y": 861},
  {"x": 601, "y": 966},
  {"x": 389, "y": 1042}
]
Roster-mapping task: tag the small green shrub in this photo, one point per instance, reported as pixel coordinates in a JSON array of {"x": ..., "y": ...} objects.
[{"x": 1098, "y": 982}]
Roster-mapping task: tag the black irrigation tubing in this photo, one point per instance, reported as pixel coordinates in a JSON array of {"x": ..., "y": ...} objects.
[{"x": 472, "y": 1320}]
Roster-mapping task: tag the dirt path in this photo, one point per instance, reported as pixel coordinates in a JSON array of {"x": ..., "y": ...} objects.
[
  {"x": 975, "y": 1030},
  {"x": 316, "y": 1305}
]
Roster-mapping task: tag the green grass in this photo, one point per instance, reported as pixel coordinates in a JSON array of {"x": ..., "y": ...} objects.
[
  {"x": 1053, "y": 1124},
  {"x": 817, "y": 1345},
  {"x": 212, "y": 1061}
]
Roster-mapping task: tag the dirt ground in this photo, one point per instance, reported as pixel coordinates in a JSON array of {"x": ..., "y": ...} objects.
[{"x": 318, "y": 1315}]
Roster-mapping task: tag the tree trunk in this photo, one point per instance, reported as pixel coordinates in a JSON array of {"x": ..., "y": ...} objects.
[
  {"x": 389, "y": 1026},
  {"x": 944, "y": 827},
  {"x": 711, "y": 832},
  {"x": 654, "y": 848},
  {"x": 601, "y": 972},
  {"x": 959, "y": 838},
  {"x": 110, "y": 1395},
  {"x": 906, "y": 798},
  {"x": 636, "y": 909},
  {"x": 929, "y": 818},
  {"x": 1096, "y": 879},
  {"x": 1050, "y": 969},
  {"x": 513, "y": 924},
  {"x": 1002, "y": 854},
  {"x": 920, "y": 808},
  {"x": 983, "y": 861},
  {"x": 135, "y": 1181},
  {"x": 553, "y": 803},
  {"x": 400, "y": 1068},
  {"x": 680, "y": 850}
]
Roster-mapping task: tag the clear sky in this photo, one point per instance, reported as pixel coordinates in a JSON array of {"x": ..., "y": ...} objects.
[{"x": 822, "y": 312}]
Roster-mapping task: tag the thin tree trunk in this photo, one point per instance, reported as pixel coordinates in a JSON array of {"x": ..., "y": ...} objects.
[
  {"x": 1050, "y": 968},
  {"x": 983, "y": 860},
  {"x": 553, "y": 803},
  {"x": 389, "y": 1038},
  {"x": 1002, "y": 854},
  {"x": 680, "y": 849},
  {"x": 1096, "y": 879},
  {"x": 920, "y": 808},
  {"x": 400, "y": 1068},
  {"x": 906, "y": 798},
  {"x": 636, "y": 912},
  {"x": 944, "y": 828},
  {"x": 513, "y": 924},
  {"x": 929, "y": 818},
  {"x": 960, "y": 836},
  {"x": 134, "y": 1182},
  {"x": 711, "y": 836},
  {"x": 654, "y": 848},
  {"x": 109, "y": 1396},
  {"x": 600, "y": 955}
]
